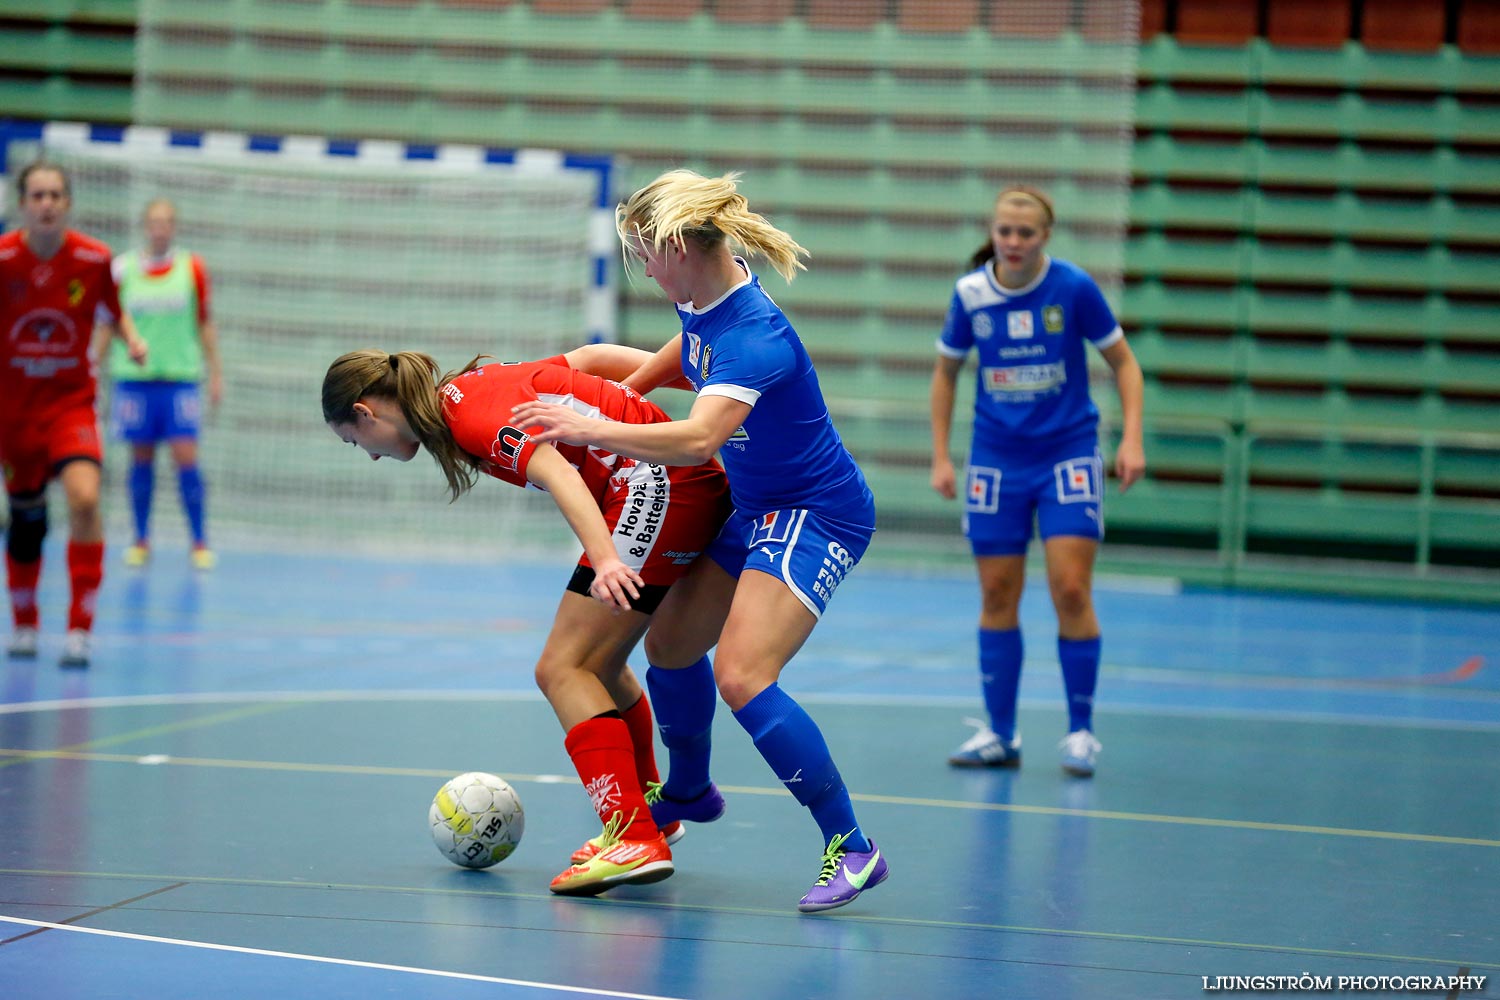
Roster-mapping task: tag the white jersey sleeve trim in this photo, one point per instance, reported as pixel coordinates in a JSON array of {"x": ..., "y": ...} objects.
[
  {"x": 951, "y": 352},
  {"x": 1111, "y": 338},
  {"x": 736, "y": 392}
]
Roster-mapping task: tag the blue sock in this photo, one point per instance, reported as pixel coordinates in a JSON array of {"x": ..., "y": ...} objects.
[
  {"x": 142, "y": 481},
  {"x": 1001, "y": 652},
  {"x": 792, "y": 744},
  {"x": 684, "y": 701},
  {"x": 1080, "y": 670},
  {"x": 190, "y": 485}
]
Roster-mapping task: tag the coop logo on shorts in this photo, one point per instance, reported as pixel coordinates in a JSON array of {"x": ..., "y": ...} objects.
[
  {"x": 1019, "y": 324},
  {"x": 984, "y": 327},
  {"x": 982, "y": 496},
  {"x": 1078, "y": 480},
  {"x": 1052, "y": 319}
]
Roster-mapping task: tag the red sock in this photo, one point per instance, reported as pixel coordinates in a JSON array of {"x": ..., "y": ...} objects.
[
  {"x": 605, "y": 760},
  {"x": 23, "y": 580},
  {"x": 85, "y": 570},
  {"x": 642, "y": 733}
]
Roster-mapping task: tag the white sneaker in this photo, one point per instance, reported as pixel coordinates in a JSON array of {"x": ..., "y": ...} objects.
[
  {"x": 986, "y": 749},
  {"x": 75, "y": 649},
  {"x": 22, "y": 643},
  {"x": 1079, "y": 749}
]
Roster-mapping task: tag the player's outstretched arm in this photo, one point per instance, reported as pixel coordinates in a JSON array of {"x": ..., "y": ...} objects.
[
  {"x": 614, "y": 583},
  {"x": 664, "y": 368},
  {"x": 690, "y": 441},
  {"x": 612, "y": 361}
]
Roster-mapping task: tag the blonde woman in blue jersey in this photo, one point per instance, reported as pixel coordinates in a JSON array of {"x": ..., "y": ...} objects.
[
  {"x": 803, "y": 513},
  {"x": 166, "y": 292},
  {"x": 1034, "y": 459}
]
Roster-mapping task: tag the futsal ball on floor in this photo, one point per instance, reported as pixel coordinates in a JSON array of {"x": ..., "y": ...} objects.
[{"x": 476, "y": 820}]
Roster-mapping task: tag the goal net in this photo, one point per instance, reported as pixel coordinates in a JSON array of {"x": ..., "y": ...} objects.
[{"x": 314, "y": 249}]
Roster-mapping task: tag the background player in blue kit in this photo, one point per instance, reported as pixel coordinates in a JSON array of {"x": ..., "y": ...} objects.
[
  {"x": 803, "y": 513},
  {"x": 1034, "y": 457}
]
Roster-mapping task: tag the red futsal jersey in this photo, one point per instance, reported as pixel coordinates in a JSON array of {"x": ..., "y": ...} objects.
[
  {"x": 47, "y": 379},
  {"x": 661, "y": 516},
  {"x": 47, "y": 312}
]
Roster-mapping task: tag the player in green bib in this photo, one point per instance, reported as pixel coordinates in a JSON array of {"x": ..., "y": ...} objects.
[{"x": 166, "y": 292}]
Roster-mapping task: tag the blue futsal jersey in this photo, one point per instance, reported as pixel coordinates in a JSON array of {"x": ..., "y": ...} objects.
[
  {"x": 1033, "y": 374},
  {"x": 787, "y": 453}
]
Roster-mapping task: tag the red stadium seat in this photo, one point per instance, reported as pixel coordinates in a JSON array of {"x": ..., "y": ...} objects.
[
  {"x": 857, "y": 15},
  {"x": 1216, "y": 22},
  {"x": 1479, "y": 27},
  {"x": 938, "y": 16},
  {"x": 754, "y": 11},
  {"x": 1402, "y": 25},
  {"x": 570, "y": 6},
  {"x": 1308, "y": 23},
  {"x": 663, "y": 10},
  {"x": 1029, "y": 18}
]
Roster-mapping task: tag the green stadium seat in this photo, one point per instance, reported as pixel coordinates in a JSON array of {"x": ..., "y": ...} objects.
[
  {"x": 59, "y": 98},
  {"x": 1165, "y": 58},
  {"x": 101, "y": 12},
  {"x": 60, "y": 49},
  {"x": 1163, "y": 106}
]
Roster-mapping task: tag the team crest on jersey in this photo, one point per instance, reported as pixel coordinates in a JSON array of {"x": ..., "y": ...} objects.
[
  {"x": 984, "y": 327},
  {"x": 1052, "y": 319},
  {"x": 1018, "y": 324},
  {"x": 708, "y": 352},
  {"x": 695, "y": 345},
  {"x": 75, "y": 292}
]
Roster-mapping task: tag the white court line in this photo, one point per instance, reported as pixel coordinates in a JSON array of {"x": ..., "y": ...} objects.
[
  {"x": 956, "y": 702},
  {"x": 330, "y": 961}
]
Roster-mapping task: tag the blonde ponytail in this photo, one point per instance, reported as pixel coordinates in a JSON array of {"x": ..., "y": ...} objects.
[{"x": 707, "y": 211}]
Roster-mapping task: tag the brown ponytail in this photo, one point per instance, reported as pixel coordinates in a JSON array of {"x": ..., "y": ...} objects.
[{"x": 409, "y": 378}]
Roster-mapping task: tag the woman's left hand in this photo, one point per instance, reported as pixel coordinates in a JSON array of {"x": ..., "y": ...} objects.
[
  {"x": 615, "y": 584},
  {"x": 1130, "y": 463},
  {"x": 559, "y": 423}
]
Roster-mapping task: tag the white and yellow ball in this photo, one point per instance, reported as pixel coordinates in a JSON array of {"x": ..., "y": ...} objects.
[{"x": 476, "y": 820}]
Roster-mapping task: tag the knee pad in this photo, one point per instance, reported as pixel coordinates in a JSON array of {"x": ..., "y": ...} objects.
[{"x": 28, "y": 526}]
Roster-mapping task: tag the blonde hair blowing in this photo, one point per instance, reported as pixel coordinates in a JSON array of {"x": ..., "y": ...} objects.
[
  {"x": 411, "y": 379},
  {"x": 707, "y": 211}
]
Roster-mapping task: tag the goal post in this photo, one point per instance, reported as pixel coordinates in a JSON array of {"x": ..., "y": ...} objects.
[{"x": 317, "y": 247}]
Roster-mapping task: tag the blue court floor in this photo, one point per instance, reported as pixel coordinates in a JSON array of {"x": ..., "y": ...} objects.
[{"x": 231, "y": 802}]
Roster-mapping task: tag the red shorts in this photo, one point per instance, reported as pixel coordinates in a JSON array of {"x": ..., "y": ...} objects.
[
  {"x": 32, "y": 449},
  {"x": 664, "y": 516}
]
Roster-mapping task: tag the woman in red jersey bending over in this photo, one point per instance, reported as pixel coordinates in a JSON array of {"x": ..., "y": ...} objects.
[{"x": 641, "y": 525}]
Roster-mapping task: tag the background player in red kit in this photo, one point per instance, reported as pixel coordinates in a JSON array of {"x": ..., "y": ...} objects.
[
  {"x": 641, "y": 525},
  {"x": 53, "y": 282}
]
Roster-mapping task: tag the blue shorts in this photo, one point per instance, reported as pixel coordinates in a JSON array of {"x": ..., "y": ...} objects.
[
  {"x": 147, "y": 412},
  {"x": 808, "y": 552},
  {"x": 1060, "y": 491}
]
